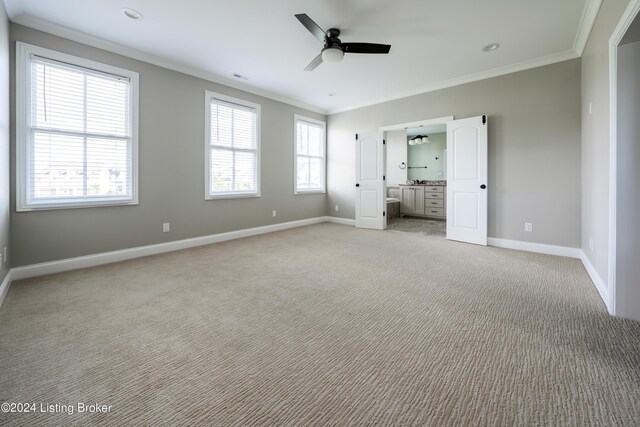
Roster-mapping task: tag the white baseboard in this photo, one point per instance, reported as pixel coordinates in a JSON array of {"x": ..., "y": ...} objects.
[
  {"x": 4, "y": 287},
  {"x": 343, "y": 221},
  {"x": 63, "y": 265},
  {"x": 535, "y": 247},
  {"x": 68, "y": 264},
  {"x": 601, "y": 286}
]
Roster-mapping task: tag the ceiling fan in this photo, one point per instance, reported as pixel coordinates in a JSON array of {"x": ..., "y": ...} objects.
[{"x": 334, "y": 49}]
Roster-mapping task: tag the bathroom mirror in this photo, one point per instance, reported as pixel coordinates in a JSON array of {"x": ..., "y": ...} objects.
[{"x": 427, "y": 152}]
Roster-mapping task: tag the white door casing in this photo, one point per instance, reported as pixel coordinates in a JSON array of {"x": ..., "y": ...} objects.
[
  {"x": 370, "y": 184},
  {"x": 467, "y": 180}
]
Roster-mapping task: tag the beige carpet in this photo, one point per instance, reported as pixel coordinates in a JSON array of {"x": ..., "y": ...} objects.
[{"x": 322, "y": 325}]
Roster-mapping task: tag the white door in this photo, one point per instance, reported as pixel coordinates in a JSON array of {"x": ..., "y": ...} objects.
[
  {"x": 467, "y": 180},
  {"x": 371, "y": 199}
]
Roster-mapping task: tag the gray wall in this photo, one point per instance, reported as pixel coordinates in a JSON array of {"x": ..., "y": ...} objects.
[
  {"x": 534, "y": 147},
  {"x": 628, "y": 181},
  {"x": 595, "y": 136},
  {"x": 4, "y": 139},
  {"x": 171, "y": 171}
]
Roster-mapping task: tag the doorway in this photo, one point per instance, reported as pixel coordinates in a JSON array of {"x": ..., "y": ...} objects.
[
  {"x": 624, "y": 247},
  {"x": 455, "y": 190},
  {"x": 416, "y": 174}
]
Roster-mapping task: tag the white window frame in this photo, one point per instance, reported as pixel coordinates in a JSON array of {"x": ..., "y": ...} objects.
[
  {"x": 300, "y": 118},
  {"x": 208, "y": 195},
  {"x": 24, "y": 52}
]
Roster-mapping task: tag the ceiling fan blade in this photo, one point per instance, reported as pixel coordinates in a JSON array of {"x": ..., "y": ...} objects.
[
  {"x": 365, "y": 48},
  {"x": 314, "y": 63},
  {"x": 312, "y": 26}
]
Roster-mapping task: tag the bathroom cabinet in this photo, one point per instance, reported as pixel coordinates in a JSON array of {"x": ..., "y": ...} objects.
[
  {"x": 412, "y": 200},
  {"x": 434, "y": 201},
  {"x": 423, "y": 200}
]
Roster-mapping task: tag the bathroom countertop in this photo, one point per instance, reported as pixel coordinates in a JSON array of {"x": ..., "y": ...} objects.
[{"x": 429, "y": 182}]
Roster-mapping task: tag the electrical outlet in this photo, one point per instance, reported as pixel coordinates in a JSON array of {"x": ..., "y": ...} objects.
[
  {"x": 274, "y": 213},
  {"x": 528, "y": 226},
  {"x": 591, "y": 243},
  {"x": 590, "y": 108},
  {"x": 337, "y": 208},
  {"x": 166, "y": 227}
]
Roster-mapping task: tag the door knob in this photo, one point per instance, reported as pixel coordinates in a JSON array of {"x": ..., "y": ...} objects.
[
  {"x": 483, "y": 186},
  {"x": 357, "y": 185}
]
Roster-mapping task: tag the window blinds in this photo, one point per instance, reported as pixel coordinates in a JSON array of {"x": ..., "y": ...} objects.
[
  {"x": 309, "y": 156},
  {"x": 233, "y": 149},
  {"x": 80, "y": 146}
]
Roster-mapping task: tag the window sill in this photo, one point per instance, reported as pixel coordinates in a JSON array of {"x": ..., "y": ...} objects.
[
  {"x": 302, "y": 192},
  {"x": 232, "y": 196},
  {"x": 52, "y": 207}
]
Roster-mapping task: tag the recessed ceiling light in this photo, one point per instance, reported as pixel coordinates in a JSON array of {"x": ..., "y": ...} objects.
[
  {"x": 131, "y": 13},
  {"x": 332, "y": 94},
  {"x": 491, "y": 47}
]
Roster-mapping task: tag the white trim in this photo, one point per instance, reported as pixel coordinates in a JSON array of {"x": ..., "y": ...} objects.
[
  {"x": 429, "y": 122},
  {"x": 323, "y": 124},
  {"x": 535, "y": 247},
  {"x": 6, "y": 284},
  {"x": 342, "y": 221},
  {"x": 209, "y": 96},
  {"x": 14, "y": 7},
  {"x": 60, "y": 266},
  {"x": 495, "y": 72},
  {"x": 625, "y": 21},
  {"x": 587, "y": 20},
  {"x": 597, "y": 280},
  {"x": 17, "y": 15},
  {"x": 23, "y": 123},
  {"x": 84, "y": 38}
]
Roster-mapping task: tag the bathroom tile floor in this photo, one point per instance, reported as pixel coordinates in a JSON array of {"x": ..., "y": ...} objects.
[{"x": 424, "y": 226}]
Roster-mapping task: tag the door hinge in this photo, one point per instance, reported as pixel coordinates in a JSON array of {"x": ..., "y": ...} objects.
[
  {"x": 384, "y": 177},
  {"x": 484, "y": 120},
  {"x": 356, "y": 136},
  {"x": 384, "y": 142},
  {"x": 384, "y": 213}
]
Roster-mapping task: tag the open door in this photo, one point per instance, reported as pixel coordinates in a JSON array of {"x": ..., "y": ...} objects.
[
  {"x": 467, "y": 180},
  {"x": 370, "y": 185}
]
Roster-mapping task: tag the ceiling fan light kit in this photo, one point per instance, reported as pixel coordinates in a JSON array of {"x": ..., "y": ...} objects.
[
  {"x": 334, "y": 49},
  {"x": 332, "y": 54}
]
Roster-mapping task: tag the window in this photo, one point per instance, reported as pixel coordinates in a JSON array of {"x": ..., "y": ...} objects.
[
  {"x": 232, "y": 147},
  {"x": 76, "y": 130},
  {"x": 309, "y": 157}
]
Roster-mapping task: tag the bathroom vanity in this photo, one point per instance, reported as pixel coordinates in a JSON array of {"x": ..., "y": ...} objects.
[{"x": 428, "y": 200}]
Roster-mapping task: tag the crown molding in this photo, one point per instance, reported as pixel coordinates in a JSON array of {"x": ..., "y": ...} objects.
[
  {"x": 84, "y": 38},
  {"x": 14, "y": 8},
  {"x": 587, "y": 21},
  {"x": 495, "y": 72}
]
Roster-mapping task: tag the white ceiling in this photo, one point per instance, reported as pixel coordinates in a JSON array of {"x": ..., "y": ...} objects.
[
  {"x": 427, "y": 130},
  {"x": 435, "y": 43}
]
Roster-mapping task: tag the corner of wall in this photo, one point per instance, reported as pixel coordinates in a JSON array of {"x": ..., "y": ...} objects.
[{"x": 4, "y": 147}]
